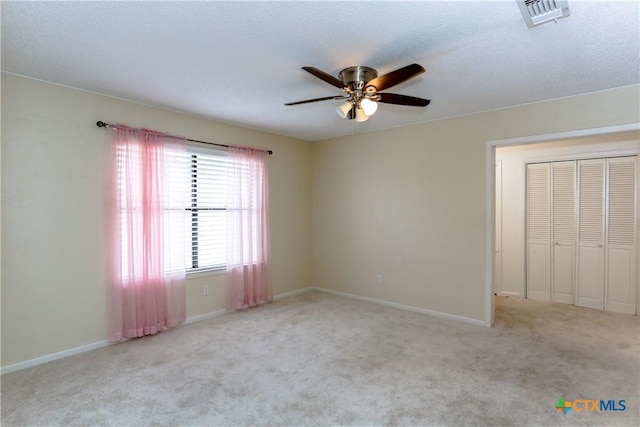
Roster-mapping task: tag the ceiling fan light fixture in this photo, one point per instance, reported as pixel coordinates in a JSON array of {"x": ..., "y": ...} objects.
[
  {"x": 344, "y": 108},
  {"x": 369, "y": 106},
  {"x": 361, "y": 116}
]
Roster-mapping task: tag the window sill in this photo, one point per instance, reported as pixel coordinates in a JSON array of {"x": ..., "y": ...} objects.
[{"x": 203, "y": 273}]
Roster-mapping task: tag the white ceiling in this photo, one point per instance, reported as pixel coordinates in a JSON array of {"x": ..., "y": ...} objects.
[{"x": 239, "y": 62}]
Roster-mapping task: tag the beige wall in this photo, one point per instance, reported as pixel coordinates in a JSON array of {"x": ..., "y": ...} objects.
[
  {"x": 409, "y": 203},
  {"x": 512, "y": 160},
  {"x": 53, "y": 296}
]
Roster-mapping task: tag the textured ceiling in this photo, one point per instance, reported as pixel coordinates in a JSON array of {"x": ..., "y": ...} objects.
[{"x": 239, "y": 62}]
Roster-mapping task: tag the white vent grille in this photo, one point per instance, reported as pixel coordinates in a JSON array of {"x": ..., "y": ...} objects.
[{"x": 536, "y": 12}]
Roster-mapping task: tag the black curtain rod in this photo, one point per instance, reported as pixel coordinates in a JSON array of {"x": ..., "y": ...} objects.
[{"x": 102, "y": 124}]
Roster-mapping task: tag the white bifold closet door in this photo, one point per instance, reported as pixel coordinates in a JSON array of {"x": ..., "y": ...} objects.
[
  {"x": 563, "y": 232},
  {"x": 539, "y": 231},
  {"x": 551, "y": 218},
  {"x": 581, "y": 233},
  {"x": 621, "y": 257},
  {"x": 590, "y": 275}
]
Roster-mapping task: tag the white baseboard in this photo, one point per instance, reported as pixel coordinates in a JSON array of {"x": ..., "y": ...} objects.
[
  {"x": 53, "y": 356},
  {"x": 403, "y": 307},
  {"x": 205, "y": 316},
  {"x": 88, "y": 347},
  {"x": 509, "y": 294},
  {"x": 222, "y": 311},
  {"x": 292, "y": 293}
]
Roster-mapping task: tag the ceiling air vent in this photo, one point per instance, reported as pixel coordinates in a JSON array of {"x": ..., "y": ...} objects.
[{"x": 536, "y": 12}]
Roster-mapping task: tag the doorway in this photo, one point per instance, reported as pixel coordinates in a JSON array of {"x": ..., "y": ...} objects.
[{"x": 507, "y": 275}]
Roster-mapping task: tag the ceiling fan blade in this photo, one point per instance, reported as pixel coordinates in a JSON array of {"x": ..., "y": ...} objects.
[
  {"x": 306, "y": 101},
  {"x": 394, "y": 98},
  {"x": 396, "y": 77},
  {"x": 324, "y": 76}
]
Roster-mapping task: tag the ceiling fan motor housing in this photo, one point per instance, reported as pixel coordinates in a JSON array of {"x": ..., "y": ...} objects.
[{"x": 357, "y": 77}]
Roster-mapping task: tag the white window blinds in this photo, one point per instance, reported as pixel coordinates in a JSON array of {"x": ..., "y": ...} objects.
[{"x": 207, "y": 207}]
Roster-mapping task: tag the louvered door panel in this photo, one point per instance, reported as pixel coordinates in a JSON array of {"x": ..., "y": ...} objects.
[
  {"x": 538, "y": 202},
  {"x": 622, "y": 190},
  {"x": 621, "y": 249},
  {"x": 539, "y": 231},
  {"x": 563, "y": 231},
  {"x": 591, "y": 226},
  {"x": 590, "y": 271}
]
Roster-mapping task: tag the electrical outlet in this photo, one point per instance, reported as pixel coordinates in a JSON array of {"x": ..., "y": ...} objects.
[
  {"x": 205, "y": 290},
  {"x": 379, "y": 279}
]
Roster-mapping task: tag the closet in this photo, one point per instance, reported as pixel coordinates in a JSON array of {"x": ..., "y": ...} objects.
[{"x": 581, "y": 233}]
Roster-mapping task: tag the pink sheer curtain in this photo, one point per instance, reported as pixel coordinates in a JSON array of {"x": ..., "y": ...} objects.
[
  {"x": 248, "y": 250},
  {"x": 145, "y": 226}
]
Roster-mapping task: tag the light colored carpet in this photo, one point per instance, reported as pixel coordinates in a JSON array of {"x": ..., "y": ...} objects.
[{"x": 318, "y": 359}]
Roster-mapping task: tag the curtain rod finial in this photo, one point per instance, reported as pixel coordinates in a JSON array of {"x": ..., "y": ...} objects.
[{"x": 101, "y": 124}]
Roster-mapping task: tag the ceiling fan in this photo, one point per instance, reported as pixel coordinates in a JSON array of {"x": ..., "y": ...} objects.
[{"x": 362, "y": 87}]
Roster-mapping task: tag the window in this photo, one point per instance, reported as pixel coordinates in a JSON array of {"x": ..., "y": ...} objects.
[
  {"x": 194, "y": 213},
  {"x": 207, "y": 210}
]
